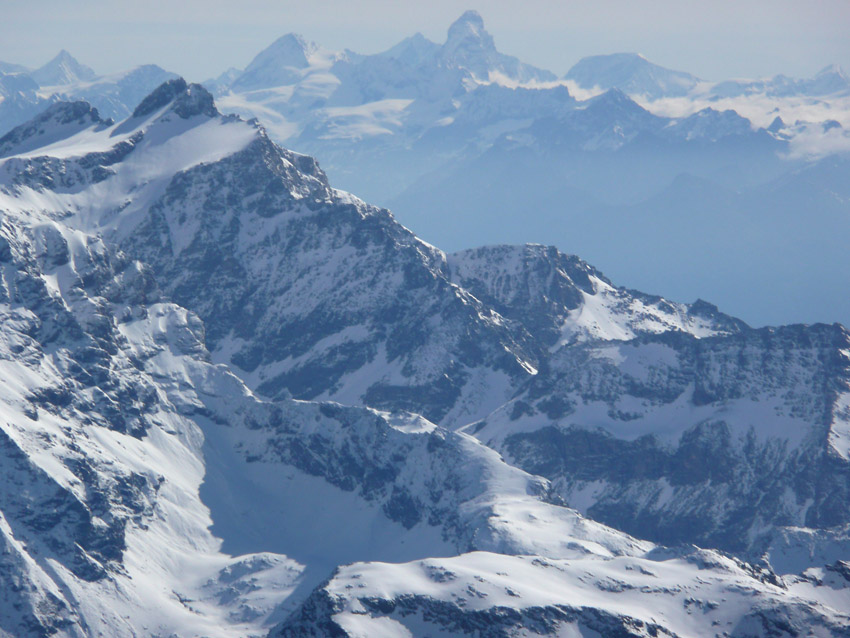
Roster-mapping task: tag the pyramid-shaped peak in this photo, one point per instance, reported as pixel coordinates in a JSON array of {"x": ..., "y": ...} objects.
[
  {"x": 63, "y": 69},
  {"x": 468, "y": 41},
  {"x": 776, "y": 125},
  {"x": 471, "y": 48},
  {"x": 288, "y": 50},
  {"x": 470, "y": 21},
  {"x": 469, "y": 26},
  {"x": 278, "y": 64}
]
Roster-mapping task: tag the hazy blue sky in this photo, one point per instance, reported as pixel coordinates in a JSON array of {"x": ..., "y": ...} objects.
[{"x": 714, "y": 39}]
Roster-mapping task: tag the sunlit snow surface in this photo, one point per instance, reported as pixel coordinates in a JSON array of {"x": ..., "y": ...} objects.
[{"x": 695, "y": 594}]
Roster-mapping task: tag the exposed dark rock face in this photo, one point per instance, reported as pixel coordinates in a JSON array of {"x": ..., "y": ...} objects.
[
  {"x": 186, "y": 100},
  {"x": 303, "y": 287},
  {"x": 693, "y": 440}
]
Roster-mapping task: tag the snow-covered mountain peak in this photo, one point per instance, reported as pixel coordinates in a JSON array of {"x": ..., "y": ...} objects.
[
  {"x": 282, "y": 63},
  {"x": 469, "y": 26},
  {"x": 187, "y": 100},
  {"x": 103, "y": 176},
  {"x": 59, "y": 121},
  {"x": 470, "y": 46},
  {"x": 61, "y": 70},
  {"x": 561, "y": 299},
  {"x": 412, "y": 51},
  {"x": 632, "y": 73},
  {"x": 288, "y": 50}
]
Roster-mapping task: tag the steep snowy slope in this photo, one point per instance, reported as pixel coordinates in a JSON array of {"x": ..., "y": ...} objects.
[
  {"x": 122, "y": 445},
  {"x": 316, "y": 293},
  {"x": 94, "y": 456},
  {"x": 678, "y": 593}
]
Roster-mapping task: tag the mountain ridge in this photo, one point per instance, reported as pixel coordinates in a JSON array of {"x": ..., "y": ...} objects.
[{"x": 189, "y": 486}]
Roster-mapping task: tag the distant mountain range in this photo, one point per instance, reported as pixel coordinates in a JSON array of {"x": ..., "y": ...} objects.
[
  {"x": 467, "y": 147},
  {"x": 24, "y": 92}
]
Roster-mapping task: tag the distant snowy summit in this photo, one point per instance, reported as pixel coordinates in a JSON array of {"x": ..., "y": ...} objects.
[
  {"x": 459, "y": 97},
  {"x": 631, "y": 73},
  {"x": 24, "y": 92},
  {"x": 829, "y": 81},
  {"x": 62, "y": 70}
]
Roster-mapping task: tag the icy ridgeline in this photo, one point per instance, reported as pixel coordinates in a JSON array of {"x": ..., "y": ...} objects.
[{"x": 148, "y": 491}]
